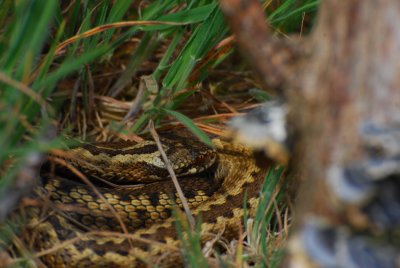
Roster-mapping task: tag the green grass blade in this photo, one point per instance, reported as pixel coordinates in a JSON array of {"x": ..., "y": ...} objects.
[{"x": 186, "y": 121}]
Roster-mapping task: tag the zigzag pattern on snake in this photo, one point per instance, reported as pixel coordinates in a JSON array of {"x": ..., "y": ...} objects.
[{"x": 133, "y": 179}]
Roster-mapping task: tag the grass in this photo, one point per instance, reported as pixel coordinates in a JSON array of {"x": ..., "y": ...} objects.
[
  {"x": 60, "y": 65},
  {"x": 263, "y": 237}
]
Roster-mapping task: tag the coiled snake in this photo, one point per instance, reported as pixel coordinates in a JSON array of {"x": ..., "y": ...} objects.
[{"x": 76, "y": 232}]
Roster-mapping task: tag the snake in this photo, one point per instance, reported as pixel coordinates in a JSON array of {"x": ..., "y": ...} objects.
[{"x": 125, "y": 213}]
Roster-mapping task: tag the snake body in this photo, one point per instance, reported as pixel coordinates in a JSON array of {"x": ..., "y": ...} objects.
[{"x": 82, "y": 231}]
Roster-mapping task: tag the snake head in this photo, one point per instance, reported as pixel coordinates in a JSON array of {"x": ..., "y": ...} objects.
[{"x": 188, "y": 155}]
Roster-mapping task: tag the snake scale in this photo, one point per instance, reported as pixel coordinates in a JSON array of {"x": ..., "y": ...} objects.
[{"x": 79, "y": 229}]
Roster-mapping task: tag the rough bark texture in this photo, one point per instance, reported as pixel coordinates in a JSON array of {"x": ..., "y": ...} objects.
[{"x": 350, "y": 80}]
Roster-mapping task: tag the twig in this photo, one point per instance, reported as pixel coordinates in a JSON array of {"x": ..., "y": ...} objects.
[
  {"x": 114, "y": 25},
  {"x": 173, "y": 176},
  {"x": 274, "y": 60},
  {"x": 137, "y": 102},
  {"x": 72, "y": 107},
  {"x": 91, "y": 105}
]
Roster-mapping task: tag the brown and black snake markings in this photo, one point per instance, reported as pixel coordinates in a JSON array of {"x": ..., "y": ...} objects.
[{"x": 79, "y": 230}]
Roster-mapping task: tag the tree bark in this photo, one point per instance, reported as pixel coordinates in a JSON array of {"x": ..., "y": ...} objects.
[
  {"x": 349, "y": 88},
  {"x": 352, "y": 79},
  {"x": 350, "y": 83}
]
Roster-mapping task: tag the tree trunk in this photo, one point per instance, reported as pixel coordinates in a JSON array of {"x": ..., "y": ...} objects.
[
  {"x": 349, "y": 89},
  {"x": 345, "y": 118}
]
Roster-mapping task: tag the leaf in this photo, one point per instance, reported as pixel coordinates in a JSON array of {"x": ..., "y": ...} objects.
[
  {"x": 190, "y": 125},
  {"x": 190, "y": 16}
]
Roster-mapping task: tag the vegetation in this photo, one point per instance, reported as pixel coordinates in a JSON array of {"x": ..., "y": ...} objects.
[{"x": 80, "y": 64}]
